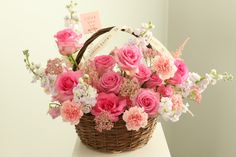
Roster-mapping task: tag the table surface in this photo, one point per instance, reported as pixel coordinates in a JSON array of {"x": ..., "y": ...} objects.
[{"x": 157, "y": 146}]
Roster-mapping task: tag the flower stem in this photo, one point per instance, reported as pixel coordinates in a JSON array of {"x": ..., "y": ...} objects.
[
  {"x": 73, "y": 62},
  {"x": 28, "y": 64}
]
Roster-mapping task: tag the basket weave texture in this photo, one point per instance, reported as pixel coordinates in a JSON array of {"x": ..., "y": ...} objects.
[{"x": 118, "y": 139}]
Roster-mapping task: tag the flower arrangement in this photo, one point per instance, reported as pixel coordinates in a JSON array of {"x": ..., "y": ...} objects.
[{"x": 132, "y": 82}]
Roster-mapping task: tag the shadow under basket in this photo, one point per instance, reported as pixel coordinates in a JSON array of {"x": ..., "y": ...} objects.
[{"x": 116, "y": 140}]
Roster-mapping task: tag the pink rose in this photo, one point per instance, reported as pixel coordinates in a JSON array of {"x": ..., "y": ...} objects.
[
  {"x": 64, "y": 85},
  {"x": 165, "y": 91},
  {"x": 67, "y": 41},
  {"x": 110, "y": 82},
  {"x": 181, "y": 74},
  {"x": 143, "y": 74},
  {"x": 110, "y": 103},
  {"x": 153, "y": 81},
  {"x": 149, "y": 101},
  {"x": 71, "y": 112},
  {"x": 164, "y": 67},
  {"x": 128, "y": 57},
  {"x": 135, "y": 118},
  {"x": 104, "y": 63}
]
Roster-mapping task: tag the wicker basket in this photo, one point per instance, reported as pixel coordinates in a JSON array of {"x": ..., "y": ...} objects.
[{"x": 118, "y": 139}]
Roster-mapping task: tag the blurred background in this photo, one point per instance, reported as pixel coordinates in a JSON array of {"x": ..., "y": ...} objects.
[
  {"x": 25, "y": 127},
  {"x": 211, "y": 25}
]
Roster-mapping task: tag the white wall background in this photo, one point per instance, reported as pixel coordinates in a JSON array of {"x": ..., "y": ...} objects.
[
  {"x": 25, "y": 129},
  {"x": 211, "y": 24}
]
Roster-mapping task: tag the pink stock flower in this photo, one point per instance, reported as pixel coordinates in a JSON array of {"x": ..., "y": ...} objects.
[
  {"x": 104, "y": 121},
  {"x": 110, "y": 103},
  {"x": 165, "y": 91},
  {"x": 143, "y": 73},
  {"x": 67, "y": 41},
  {"x": 153, "y": 81},
  {"x": 181, "y": 74},
  {"x": 128, "y": 57},
  {"x": 54, "y": 112},
  {"x": 135, "y": 118},
  {"x": 64, "y": 85},
  {"x": 54, "y": 67},
  {"x": 71, "y": 112},
  {"x": 110, "y": 82},
  {"x": 149, "y": 53},
  {"x": 104, "y": 63},
  {"x": 195, "y": 94},
  {"x": 177, "y": 101},
  {"x": 164, "y": 67},
  {"x": 149, "y": 100}
]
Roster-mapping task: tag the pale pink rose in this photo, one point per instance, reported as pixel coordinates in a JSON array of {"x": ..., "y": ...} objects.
[
  {"x": 71, "y": 112},
  {"x": 165, "y": 91},
  {"x": 143, "y": 73},
  {"x": 135, "y": 118},
  {"x": 153, "y": 81},
  {"x": 104, "y": 63},
  {"x": 64, "y": 85},
  {"x": 67, "y": 35},
  {"x": 164, "y": 67},
  {"x": 68, "y": 48},
  {"x": 54, "y": 112},
  {"x": 181, "y": 74},
  {"x": 149, "y": 100},
  {"x": 128, "y": 57},
  {"x": 110, "y": 82},
  {"x": 177, "y": 101},
  {"x": 67, "y": 41},
  {"x": 110, "y": 103}
]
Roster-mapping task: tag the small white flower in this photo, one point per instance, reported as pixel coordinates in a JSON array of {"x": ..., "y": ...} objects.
[
  {"x": 194, "y": 77},
  {"x": 85, "y": 95},
  {"x": 166, "y": 111}
]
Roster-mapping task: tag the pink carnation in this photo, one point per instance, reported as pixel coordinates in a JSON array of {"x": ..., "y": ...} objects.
[
  {"x": 67, "y": 41},
  {"x": 164, "y": 67},
  {"x": 104, "y": 63},
  {"x": 181, "y": 74},
  {"x": 165, "y": 91},
  {"x": 153, "y": 81},
  {"x": 143, "y": 74},
  {"x": 64, "y": 85},
  {"x": 110, "y": 82},
  {"x": 149, "y": 100},
  {"x": 135, "y": 118},
  {"x": 128, "y": 57},
  {"x": 71, "y": 112},
  {"x": 177, "y": 101},
  {"x": 110, "y": 103}
]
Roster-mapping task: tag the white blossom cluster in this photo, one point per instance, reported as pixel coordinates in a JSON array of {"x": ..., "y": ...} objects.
[
  {"x": 189, "y": 83},
  {"x": 168, "y": 113},
  {"x": 85, "y": 95},
  {"x": 144, "y": 33},
  {"x": 212, "y": 78},
  {"x": 203, "y": 82},
  {"x": 72, "y": 20}
]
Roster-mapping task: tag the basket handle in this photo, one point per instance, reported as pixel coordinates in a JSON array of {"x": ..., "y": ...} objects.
[{"x": 108, "y": 29}]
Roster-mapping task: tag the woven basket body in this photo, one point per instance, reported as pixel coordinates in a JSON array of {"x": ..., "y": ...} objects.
[{"x": 118, "y": 139}]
